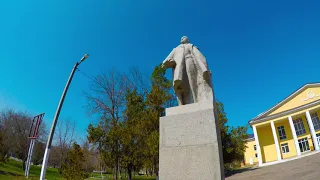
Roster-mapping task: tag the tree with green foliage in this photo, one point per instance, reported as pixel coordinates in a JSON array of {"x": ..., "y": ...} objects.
[
  {"x": 74, "y": 165},
  {"x": 233, "y": 138},
  {"x": 156, "y": 101},
  {"x": 238, "y": 137},
  {"x": 224, "y": 132},
  {"x": 133, "y": 133},
  {"x": 127, "y": 135},
  {"x": 108, "y": 101},
  {"x": 90, "y": 156},
  {"x": 107, "y": 138}
]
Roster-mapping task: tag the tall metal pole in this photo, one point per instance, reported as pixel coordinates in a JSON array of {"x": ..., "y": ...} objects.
[
  {"x": 26, "y": 173},
  {"x": 33, "y": 134},
  {"x": 54, "y": 123}
]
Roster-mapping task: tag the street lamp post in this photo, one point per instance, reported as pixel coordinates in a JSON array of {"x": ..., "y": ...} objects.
[{"x": 56, "y": 116}]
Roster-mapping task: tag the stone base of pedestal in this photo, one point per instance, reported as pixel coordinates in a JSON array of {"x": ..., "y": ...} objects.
[{"x": 190, "y": 144}]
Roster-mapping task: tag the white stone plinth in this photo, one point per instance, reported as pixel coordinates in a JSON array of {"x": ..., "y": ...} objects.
[{"x": 190, "y": 144}]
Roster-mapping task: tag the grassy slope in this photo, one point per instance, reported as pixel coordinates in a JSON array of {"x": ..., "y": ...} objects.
[{"x": 13, "y": 170}]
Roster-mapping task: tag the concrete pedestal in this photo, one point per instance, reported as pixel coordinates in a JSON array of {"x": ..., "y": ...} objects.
[{"x": 190, "y": 144}]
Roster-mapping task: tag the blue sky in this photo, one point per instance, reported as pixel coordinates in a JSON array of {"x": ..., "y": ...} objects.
[{"x": 259, "y": 51}]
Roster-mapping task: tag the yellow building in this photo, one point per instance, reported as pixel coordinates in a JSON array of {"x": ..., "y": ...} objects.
[
  {"x": 251, "y": 155},
  {"x": 289, "y": 129}
]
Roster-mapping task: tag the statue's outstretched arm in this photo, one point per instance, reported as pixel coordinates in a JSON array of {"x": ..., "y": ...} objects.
[{"x": 169, "y": 61}]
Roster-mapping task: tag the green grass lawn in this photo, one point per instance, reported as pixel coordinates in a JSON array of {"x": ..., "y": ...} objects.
[{"x": 12, "y": 170}]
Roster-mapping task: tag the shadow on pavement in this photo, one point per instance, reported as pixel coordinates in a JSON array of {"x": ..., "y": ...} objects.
[{"x": 238, "y": 171}]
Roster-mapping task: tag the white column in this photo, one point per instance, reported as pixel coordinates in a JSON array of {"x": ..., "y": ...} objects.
[
  {"x": 313, "y": 132},
  {"x": 294, "y": 135},
  {"x": 257, "y": 144},
  {"x": 275, "y": 137}
]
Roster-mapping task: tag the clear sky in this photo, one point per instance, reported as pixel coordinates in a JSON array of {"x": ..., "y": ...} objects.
[{"x": 259, "y": 51}]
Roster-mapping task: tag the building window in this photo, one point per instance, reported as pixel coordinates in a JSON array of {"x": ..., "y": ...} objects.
[
  {"x": 256, "y": 155},
  {"x": 318, "y": 138},
  {"x": 304, "y": 144},
  {"x": 315, "y": 121},
  {"x": 285, "y": 148},
  {"x": 299, "y": 127},
  {"x": 282, "y": 133},
  {"x": 255, "y": 147}
]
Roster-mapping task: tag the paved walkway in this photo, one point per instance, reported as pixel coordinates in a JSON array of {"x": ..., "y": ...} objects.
[{"x": 306, "y": 168}]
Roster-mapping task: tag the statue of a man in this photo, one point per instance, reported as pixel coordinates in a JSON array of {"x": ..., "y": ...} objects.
[{"x": 191, "y": 76}]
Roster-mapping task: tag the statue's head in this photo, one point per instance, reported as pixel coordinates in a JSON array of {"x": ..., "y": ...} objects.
[{"x": 185, "y": 40}]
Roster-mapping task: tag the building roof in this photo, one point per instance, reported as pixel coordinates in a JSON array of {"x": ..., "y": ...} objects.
[
  {"x": 251, "y": 137},
  {"x": 301, "y": 89}
]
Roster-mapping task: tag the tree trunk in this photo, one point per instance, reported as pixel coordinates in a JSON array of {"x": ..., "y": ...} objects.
[
  {"x": 60, "y": 168},
  {"x": 129, "y": 172},
  {"x": 23, "y": 165},
  {"x": 101, "y": 170},
  {"x": 155, "y": 166},
  {"x": 115, "y": 172},
  {"x": 119, "y": 169}
]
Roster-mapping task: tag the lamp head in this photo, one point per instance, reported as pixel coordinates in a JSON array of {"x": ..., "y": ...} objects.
[{"x": 84, "y": 58}]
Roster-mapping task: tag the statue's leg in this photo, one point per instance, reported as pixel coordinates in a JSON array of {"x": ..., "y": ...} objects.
[
  {"x": 192, "y": 78},
  {"x": 178, "y": 88},
  {"x": 179, "y": 98}
]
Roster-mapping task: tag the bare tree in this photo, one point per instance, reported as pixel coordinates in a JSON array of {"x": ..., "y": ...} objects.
[
  {"x": 4, "y": 147},
  {"x": 17, "y": 126},
  {"x": 90, "y": 154},
  {"x": 107, "y": 98},
  {"x": 107, "y": 95},
  {"x": 54, "y": 160},
  {"x": 135, "y": 79},
  {"x": 64, "y": 139}
]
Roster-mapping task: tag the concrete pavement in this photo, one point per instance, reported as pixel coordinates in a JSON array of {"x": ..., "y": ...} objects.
[{"x": 306, "y": 168}]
